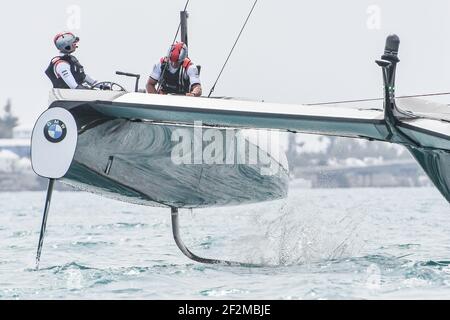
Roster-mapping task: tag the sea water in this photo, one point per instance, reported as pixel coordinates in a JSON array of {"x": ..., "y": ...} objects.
[{"x": 317, "y": 244}]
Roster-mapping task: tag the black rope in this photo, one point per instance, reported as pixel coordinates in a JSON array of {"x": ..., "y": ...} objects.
[
  {"x": 232, "y": 49},
  {"x": 161, "y": 79},
  {"x": 379, "y": 99}
]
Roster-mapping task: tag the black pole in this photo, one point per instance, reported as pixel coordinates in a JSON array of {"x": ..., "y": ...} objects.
[
  {"x": 184, "y": 27},
  {"x": 388, "y": 64},
  {"x": 51, "y": 184},
  {"x": 136, "y": 87}
]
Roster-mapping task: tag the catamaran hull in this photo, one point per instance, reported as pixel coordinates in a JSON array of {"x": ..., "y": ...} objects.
[
  {"x": 137, "y": 162},
  {"x": 423, "y": 127}
]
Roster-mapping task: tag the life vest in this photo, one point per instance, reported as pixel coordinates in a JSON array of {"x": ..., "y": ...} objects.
[
  {"x": 75, "y": 67},
  {"x": 178, "y": 82}
]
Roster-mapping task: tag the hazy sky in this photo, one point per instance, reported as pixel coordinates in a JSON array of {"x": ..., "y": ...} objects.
[{"x": 291, "y": 51}]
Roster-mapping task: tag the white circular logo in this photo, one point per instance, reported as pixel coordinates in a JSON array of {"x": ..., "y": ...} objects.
[{"x": 55, "y": 131}]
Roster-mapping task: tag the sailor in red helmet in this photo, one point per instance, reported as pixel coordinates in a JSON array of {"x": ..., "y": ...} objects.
[
  {"x": 176, "y": 74},
  {"x": 65, "y": 71}
]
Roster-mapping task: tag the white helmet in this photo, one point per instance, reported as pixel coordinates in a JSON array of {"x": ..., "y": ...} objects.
[{"x": 66, "y": 42}]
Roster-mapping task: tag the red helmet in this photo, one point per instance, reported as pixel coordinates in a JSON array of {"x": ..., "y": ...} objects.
[{"x": 177, "y": 53}]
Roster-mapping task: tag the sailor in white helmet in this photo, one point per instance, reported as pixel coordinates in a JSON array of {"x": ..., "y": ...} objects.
[{"x": 65, "y": 71}]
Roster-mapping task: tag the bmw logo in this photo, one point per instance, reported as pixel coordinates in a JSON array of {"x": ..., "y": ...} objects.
[{"x": 55, "y": 131}]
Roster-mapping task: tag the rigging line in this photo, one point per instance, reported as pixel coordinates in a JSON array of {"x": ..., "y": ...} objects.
[
  {"x": 232, "y": 49},
  {"x": 173, "y": 42},
  {"x": 426, "y": 95},
  {"x": 380, "y": 99}
]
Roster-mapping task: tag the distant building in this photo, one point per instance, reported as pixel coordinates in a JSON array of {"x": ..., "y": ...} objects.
[
  {"x": 332, "y": 162},
  {"x": 22, "y": 132},
  {"x": 8, "y": 122},
  {"x": 20, "y": 147}
]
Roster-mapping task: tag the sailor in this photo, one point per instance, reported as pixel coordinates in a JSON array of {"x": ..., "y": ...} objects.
[
  {"x": 65, "y": 71},
  {"x": 176, "y": 74}
]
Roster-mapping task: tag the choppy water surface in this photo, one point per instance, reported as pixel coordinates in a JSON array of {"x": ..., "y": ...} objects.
[{"x": 318, "y": 244}]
